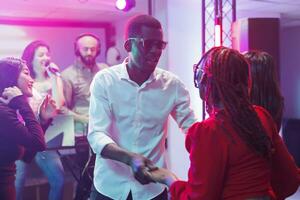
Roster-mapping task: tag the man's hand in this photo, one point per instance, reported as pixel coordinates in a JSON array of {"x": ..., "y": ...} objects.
[
  {"x": 48, "y": 108},
  {"x": 141, "y": 168},
  {"x": 9, "y": 93}
]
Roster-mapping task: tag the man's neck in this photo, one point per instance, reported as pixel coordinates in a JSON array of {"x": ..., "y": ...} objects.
[{"x": 136, "y": 75}]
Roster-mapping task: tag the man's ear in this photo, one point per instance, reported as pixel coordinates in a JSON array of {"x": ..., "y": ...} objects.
[{"x": 127, "y": 45}]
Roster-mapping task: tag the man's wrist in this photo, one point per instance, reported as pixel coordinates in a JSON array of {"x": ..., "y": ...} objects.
[{"x": 128, "y": 158}]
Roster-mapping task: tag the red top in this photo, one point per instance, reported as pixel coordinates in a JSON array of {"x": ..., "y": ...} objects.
[{"x": 223, "y": 167}]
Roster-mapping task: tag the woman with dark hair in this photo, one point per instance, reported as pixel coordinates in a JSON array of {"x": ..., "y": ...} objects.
[
  {"x": 234, "y": 153},
  {"x": 47, "y": 83},
  {"x": 265, "y": 91},
  {"x": 19, "y": 128}
]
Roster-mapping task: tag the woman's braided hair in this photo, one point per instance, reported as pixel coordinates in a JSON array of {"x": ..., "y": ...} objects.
[{"x": 227, "y": 80}]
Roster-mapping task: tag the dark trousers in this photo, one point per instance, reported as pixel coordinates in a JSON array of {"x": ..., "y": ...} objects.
[
  {"x": 95, "y": 195},
  {"x": 85, "y": 159},
  {"x": 7, "y": 191}
]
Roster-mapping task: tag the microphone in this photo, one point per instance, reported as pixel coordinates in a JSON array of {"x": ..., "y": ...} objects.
[{"x": 52, "y": 68}]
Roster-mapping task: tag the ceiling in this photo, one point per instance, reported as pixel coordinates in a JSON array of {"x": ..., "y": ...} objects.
[
  {"x": 288, "y": 10},
  {"x": 105, "y": 11},
  {"x": 67, "y": 10}
]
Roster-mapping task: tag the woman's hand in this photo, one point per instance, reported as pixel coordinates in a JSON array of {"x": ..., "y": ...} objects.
[
  {"x": 48, "y": 108},
  {"x": 141, "y": 167},
  {"x": 9, "y": 93},
  {"x": 64, "y": 111},
  {"x": 52, "y": 70},
  {"x": 163, "y": 176}
]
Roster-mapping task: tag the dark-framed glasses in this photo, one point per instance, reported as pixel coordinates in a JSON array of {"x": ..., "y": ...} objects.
[
  {"x": 198, "y": 73},
  {"x": 149, "y": 43}
]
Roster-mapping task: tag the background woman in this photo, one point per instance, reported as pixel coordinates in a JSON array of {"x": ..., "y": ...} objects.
[
  {"x": 265, "y": 91},
  {"x": 19, "y": 128},
  {"x": 37, "y": 56},
  {"x": 234, "y": 151}
]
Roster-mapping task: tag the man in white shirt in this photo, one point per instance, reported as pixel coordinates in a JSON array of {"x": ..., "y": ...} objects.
[{"x": 129, "y": 108}]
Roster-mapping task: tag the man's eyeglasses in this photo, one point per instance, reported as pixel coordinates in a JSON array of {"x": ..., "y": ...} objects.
[{"x": 149, "y": 43}]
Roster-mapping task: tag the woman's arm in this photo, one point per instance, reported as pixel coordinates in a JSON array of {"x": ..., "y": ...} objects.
[
  {"x": 285, "y": 178},
  {"x": 28, "y": 134},
  {"x": 206, "y": 173},
  {"x": 57, "y": 91},
  {"x": 57, "y": 86}
]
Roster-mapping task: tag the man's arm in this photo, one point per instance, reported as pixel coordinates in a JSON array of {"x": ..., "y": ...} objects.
[
  {"x": 68, "y": 96},
  {"x": 182, "y": 112},
  {"x": 76, "y": 116}
]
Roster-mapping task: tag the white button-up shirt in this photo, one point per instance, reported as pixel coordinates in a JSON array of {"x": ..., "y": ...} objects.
[{"x": 133, "y": 117}]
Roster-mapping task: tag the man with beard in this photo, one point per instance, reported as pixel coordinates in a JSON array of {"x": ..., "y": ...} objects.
[
  {"x": 77, "y": 79},
  {"x": 129, "y": 109}
]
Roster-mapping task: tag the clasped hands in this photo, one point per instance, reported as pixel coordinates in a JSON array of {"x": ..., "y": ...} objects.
[
  {"x": 9, "y": 93},
  {"x": 146, "y": 172}
]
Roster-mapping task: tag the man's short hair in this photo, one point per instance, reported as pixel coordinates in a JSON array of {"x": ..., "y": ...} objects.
[{"x": 135, "y": 24}]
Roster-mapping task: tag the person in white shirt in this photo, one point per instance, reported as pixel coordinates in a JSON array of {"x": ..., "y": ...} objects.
[{"x": 129, "y": 108}]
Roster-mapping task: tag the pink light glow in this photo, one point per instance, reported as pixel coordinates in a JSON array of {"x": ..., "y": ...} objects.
[
  {"x": 12, "y": 40},
  {"x": 11, "y": 32},
  {"x": 218, "y": 33}
]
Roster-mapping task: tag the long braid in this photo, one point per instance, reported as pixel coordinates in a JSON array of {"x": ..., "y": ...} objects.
[{"x": 228, "y": 74}]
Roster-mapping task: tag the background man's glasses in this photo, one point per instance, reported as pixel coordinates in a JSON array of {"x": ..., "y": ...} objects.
[{"x": 149, "y": 43}]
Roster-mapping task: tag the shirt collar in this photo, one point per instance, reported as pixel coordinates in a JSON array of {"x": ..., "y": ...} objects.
[{"x": 124, "y": 74}]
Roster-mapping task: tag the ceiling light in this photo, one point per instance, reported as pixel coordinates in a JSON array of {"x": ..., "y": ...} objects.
[{"x": 125, "y": 5}]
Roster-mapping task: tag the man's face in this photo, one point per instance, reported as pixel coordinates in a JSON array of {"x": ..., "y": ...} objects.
[
  {"x": 146, "y": 49},
  {"x": 88, "y": 48}
]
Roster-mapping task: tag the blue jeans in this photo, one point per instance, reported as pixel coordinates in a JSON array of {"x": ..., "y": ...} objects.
[{"x": 50, "y": 164}]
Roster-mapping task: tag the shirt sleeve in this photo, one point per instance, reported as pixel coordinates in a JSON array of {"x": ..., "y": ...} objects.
[
  {"x": 29, "y": 135},
  {"x": 100, "y": 117},
  {"x": 182, "y": 112},
  {"x": 208, "y": 156}
]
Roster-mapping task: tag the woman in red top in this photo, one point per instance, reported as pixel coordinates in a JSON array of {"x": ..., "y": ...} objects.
[{"x": 235, "y": 154}]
